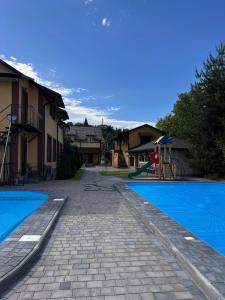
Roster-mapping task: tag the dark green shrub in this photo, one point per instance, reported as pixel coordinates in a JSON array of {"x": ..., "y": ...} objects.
[{"x": 69, "y": 161}]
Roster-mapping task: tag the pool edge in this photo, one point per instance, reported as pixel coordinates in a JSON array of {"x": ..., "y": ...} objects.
[
  {"x": 204, "y": 284},
  {"x": 26, "y": 262}
]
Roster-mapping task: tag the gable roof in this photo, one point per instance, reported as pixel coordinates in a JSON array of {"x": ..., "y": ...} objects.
[
  {"x": 147, "y": 125},
  {"x": 176, "y": 144},
  {"x": 17, "y": 74},
  {"x": 82, "y": 132},
  {"x": 124, "y": 134}
]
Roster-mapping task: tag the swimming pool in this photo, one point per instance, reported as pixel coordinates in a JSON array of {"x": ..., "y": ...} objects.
[
  {"x": 15, "y": 206},
  {"x": 197, "y": 206}
]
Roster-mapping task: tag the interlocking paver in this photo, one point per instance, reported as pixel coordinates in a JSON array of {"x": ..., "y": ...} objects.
[{"x": 99, "y": 250}]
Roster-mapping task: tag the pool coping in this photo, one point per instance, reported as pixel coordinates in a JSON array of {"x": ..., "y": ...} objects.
[
  {"x": 16, "y": 256},
  {"x": 205, "y": 266}
]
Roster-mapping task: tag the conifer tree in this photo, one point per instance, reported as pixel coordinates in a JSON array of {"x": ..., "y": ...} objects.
[{"x": 199, "y": 116}]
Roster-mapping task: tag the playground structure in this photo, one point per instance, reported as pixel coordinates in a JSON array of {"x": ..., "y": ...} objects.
[{"x": 160, "y": 161}]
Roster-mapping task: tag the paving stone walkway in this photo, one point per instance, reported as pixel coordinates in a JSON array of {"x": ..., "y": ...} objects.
[{"x": 99, "y": 250}]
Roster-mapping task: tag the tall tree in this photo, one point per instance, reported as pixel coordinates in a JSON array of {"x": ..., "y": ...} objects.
[
  {"x": 210, "y": 91},
  {"x": 199, "y": 116}
]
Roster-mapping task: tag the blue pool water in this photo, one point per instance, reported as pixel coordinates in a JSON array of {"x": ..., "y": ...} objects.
[
  {"x": 15, "y": 206},
  {"x": 197, "y": 206}
]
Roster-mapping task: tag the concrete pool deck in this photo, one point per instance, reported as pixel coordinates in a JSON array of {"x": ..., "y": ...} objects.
[{"x": 100, "y": 249}]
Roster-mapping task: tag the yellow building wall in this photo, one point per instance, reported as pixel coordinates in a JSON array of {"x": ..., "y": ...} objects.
[
  {"x": 33, "y": 97},
  {"x": 120, "y": 145},
  {"x": 32, "y": 147},
  {"x": 114, "y": 159},
  {"x": 51, "y": 129},
  {"x": 60, "y": 135},
  {"x": 133, "y": 141},
  {"x": 126, "y": 157},
  {"x": 5, "y": 100},
  {"x": 32, "y": 155},
  {"x": 134, "y": 135},
  {"x": 23, "y": 83},
  {"x": 32, "y": 151}
]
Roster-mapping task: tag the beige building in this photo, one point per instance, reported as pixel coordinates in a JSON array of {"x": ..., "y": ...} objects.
[
  {"x": 130, "y": 139},
  {"x": 89, "y": 141},
  {"x": 36, "y": 135}
]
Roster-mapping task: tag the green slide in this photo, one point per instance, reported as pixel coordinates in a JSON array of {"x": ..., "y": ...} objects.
[{"x": 139, "y": 171}]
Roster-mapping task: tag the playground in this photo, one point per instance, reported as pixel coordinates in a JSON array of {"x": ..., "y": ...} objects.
[{"x": 161, "y": 164}]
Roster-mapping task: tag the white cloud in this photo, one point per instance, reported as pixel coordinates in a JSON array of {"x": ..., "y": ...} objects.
[
  {"x": 107, "y": 97},
  {"x": 79, "y": 90},
  {"x": 78, "y": 113},
  {"x": 106, "y": 22},
  {"x": 87, "y": 98},
  {"x": 71, "y": 101},
  {"x": 86, "y": 2},
  {"x": 53, "y": 70},
  {"x": 13, "y": 58},
  {"x": 28, "y": 70},
  {"x": 113, "y": 109},
  {"x": 76, "y": 109}
]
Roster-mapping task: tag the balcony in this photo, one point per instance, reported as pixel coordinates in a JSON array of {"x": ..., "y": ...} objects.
[{"x": 28, "y": 118}]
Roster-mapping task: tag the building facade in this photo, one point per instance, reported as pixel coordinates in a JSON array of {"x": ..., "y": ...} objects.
[
  {"x": 89, "y": 141},
  {"x": 130, "y": 139},
  {"x": 37, "y": 130}
]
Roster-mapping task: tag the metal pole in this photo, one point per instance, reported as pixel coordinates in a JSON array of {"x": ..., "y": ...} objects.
[{"x": 6, "y": 144}]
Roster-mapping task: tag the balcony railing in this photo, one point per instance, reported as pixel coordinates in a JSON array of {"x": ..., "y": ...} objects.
[{"x": 27, "y": 117}]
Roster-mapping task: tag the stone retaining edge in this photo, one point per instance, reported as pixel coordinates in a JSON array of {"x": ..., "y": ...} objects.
[{"x": 12, "y": 276}]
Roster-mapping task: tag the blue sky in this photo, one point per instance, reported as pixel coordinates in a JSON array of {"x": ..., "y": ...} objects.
[{"x": 121, "y": 60}]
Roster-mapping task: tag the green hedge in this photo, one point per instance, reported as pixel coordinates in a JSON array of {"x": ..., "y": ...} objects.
[{"x": 69, "y": 162}]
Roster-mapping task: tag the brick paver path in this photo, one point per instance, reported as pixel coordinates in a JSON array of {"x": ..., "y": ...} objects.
[{"x": 98, "y": 250}]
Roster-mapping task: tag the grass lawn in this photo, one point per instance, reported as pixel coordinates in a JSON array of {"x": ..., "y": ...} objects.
[
  {"x": 115, "y": 173},
  {"x": 78, "y": 175}
]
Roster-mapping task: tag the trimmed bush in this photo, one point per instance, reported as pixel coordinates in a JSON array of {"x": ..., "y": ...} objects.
[{"x": 69, "y": 161}]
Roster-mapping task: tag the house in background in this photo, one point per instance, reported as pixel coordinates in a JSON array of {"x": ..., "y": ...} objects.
[
  {"x": 89, "y": 141},
  {"x": 37, "y": 131},
  {"x": 132, "y": 149},
  {"x": 127, "y": 140}
]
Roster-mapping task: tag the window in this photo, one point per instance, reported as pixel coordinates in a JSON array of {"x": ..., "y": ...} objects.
[
  {"x": 49, "y": 148},
  {"x": 145, "y": 139},
  {"x": 91, "y": 138},
  {"x": 54, "y": 150},
  {"x": 24, "y": 106}
]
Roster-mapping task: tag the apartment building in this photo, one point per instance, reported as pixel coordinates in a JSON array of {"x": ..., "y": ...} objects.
[
  {"x": 89, "y": 141},
  {"x": 35, "y": 115},
  {"x": 122, "y": 155}
]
